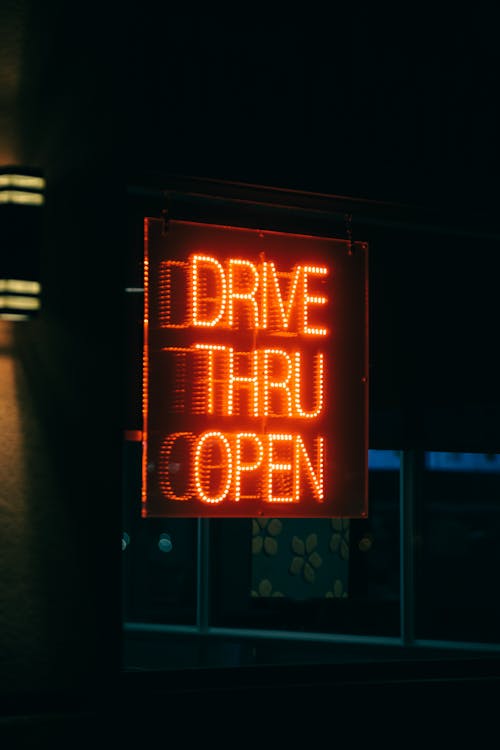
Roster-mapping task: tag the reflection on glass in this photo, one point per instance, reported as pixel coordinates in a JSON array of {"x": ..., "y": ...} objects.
[
  {"x": 334, "y": 575},
  {"x": 458, "y": 556}
]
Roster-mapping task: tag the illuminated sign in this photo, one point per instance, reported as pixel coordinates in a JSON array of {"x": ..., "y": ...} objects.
[{"x": 255, "y": 373}]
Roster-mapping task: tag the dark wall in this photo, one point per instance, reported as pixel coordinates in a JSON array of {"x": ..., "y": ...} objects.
[
  {"x": 397, "y": 106},
  {"x": 68, "y": 367}
]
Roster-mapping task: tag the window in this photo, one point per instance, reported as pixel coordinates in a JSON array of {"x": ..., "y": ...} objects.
[{"x": 417, "y": 576}]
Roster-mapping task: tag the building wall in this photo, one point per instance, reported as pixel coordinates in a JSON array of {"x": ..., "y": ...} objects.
[{"x": 61, "y": 373}]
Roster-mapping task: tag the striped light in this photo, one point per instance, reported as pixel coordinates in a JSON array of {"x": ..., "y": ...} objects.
[{"x": 21, "y": 192}]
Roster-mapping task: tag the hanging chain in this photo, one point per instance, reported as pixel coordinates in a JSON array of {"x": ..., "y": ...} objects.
[
  {"x": 348, "y": 230},
  {"x": 166, "y": 216}
]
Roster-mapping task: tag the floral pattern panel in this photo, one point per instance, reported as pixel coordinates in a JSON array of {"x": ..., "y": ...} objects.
[{"x": 300, "y": 558}]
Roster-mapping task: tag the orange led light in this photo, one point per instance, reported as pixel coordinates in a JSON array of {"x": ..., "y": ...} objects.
[
  {"x": 169, "y": 468},
  {"x": 317, "y": 477},
  {"x": 210, "y": 379},
  {"x": 312, "y": 300},
  {"x": 247, "y": 295},
  {"x": 249, "y": 381},
  {"x": 271, "y": 292},
  {"x": 292, "y": 293},
  {"x": 210, "y": 466},
  {"x": 199, "y": 279},
  {"x": 318, "y": 389},
  {"x": 217, "y": 294},
  {"x": 251, "y": 404},
  {"x": 145, "y": 368},
  {"x": 243, "y": 466},
  {"x": 274, "y": 382},
  {"x": 165, "y": 299},
  {"x": 273, "y": 467},
  {"x": 202, "y": 469},
  {"x": 279, "y": 383}
]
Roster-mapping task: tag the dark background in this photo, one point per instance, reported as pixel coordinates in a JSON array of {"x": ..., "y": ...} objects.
[{"x": 397, "y": 107}]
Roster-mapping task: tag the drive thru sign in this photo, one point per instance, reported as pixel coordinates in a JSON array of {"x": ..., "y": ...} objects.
[{"x": 255, "y": 373}]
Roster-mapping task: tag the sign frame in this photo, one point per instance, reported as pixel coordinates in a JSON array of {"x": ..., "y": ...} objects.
[{"x": 349, "y": 340}]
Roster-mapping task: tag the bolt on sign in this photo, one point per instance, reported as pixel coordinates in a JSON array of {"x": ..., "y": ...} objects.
[{"x": 255, "y": 373}]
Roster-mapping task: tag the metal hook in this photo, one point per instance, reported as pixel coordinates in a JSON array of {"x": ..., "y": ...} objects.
[
  {"x": 348, "y": 229},
  {"x": 166, "y": 217}
]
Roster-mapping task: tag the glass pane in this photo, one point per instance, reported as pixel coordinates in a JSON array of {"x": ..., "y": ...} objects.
[
  {"x": 314, "y": 575},
  {"x": 159, "y": 557},
  {"x": 458, "y": 556}
]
